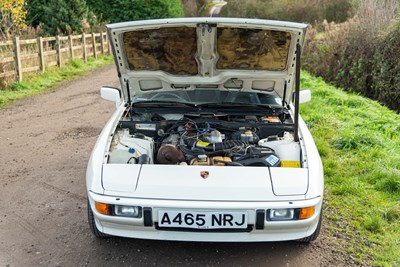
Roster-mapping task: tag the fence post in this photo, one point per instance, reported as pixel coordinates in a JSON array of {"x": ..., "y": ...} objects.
[
  {"x": 17, "y": 52},
  {"x": 58, "y": 48},
  {"x": 41, "y": 53},
  {"x": 109, "y": 44},
  {"x": 94, "y": 45},
  {"x": 71, "y": 47},
  {"x": 84, "y": 47},
  {"x": 102, "y": 42}
]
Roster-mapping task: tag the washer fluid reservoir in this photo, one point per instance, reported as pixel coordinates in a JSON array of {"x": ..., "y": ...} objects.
[{"x": 288, "y": 151}]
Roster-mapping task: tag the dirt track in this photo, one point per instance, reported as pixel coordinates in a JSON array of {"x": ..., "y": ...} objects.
[{"x": 45, "y": 143}]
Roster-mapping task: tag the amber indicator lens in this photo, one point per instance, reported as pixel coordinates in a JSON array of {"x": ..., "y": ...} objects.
[
  {"x": 306, "y": 213},
  {"x": 102, "y": 208}
]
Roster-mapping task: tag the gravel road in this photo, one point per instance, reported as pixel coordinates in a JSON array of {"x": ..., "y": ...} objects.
[{"x": 45, "y": 144}]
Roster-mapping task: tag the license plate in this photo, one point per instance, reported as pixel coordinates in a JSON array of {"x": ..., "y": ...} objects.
[{"x": 202, "y": 219}]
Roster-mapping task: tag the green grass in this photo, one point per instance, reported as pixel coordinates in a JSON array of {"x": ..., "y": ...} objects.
[
  {"x": 35, "y": 84},
  {"x": 359, "y": 142}
]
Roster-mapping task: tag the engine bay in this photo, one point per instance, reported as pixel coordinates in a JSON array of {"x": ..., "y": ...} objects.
[{"x": 202, "y": 138}]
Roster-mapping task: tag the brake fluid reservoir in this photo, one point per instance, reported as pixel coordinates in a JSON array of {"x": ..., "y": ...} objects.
[
  {"x": 288, "y": 151},
  {"x": 215, "y": 137}
]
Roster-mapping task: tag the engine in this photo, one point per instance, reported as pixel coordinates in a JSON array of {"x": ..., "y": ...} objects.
[{"x": 204, "y": 141}]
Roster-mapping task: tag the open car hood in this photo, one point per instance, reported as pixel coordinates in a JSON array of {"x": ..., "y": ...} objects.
[{"x": 195, "y": 53}]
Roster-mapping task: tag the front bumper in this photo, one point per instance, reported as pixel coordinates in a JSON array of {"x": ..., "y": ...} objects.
[{"x": 256, "y": 231}]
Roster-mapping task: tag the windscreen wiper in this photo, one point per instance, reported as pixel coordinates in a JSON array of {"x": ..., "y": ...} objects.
[
  {"x": 162, "y": 104},
  {"x": 228, "y": 105}
]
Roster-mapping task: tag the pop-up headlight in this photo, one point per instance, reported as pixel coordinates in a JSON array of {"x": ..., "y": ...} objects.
[
  {"x": 127, "y": 211},
  {"x": 290, "y": 214},
  {"x": 281, "y": 214},
  {"x": 119, "y": 210}
]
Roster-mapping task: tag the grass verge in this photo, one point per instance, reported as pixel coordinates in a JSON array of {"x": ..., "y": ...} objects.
[
  {"x": 35, "y": 84},
  {"x": 359, "y": 142}
]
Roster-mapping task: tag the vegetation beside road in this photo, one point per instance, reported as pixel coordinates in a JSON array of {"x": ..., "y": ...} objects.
[
  {"x": 359, "y": 142},
  {"x": 373, "y": 68},
  {"x": 37, "y": 83}
]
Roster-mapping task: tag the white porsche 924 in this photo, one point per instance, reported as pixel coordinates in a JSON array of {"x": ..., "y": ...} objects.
[{"x": 206, "y": 142}]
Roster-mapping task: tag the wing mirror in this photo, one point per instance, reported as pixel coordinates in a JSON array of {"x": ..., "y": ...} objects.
[
  {"x": 111, "y": 94},
  {"x": 305, "y": 96}
]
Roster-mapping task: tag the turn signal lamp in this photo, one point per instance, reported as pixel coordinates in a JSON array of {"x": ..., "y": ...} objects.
[
  {"x": 306, "y": 213},
  {"x": 290, "y": 214},
  {"x": 102, "y": 208},
  {"x": 119, "y": 210}
]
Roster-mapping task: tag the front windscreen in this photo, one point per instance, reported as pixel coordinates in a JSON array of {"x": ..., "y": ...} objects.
[{"x": 202, "y": 96}]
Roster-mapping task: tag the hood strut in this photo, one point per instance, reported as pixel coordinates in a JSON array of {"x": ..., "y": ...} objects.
[
  {"x": 297, "y": 94},
  {"x": 284, "y": 95},
  {"x": 129, "y": 99}
]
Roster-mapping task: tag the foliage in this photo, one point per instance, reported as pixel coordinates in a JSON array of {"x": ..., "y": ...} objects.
[
  {"x": 194, "y": 8},
  {"x": 385, "y": 84},
  {"x": 127, "y": 10},
  {"x": 359, "y": 142},
  {"x": 338, "y": 10},
  {"x": 59, "y": 16},
  {"x": 371, "y": 68},
  {"x": 308, "y": 11},
  {"x": 12, "y": 17}
]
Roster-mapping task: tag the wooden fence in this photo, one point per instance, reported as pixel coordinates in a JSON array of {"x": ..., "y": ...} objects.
[{"x": 18, "y": 57}]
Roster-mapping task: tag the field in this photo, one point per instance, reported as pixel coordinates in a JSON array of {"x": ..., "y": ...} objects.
[{"x": 359, "y": 142}]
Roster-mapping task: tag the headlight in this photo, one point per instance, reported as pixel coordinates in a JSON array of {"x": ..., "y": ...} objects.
[
  {"x": 119, "y": 210},
  {"x": 281, "y": 214},
  {"x": 290, "y": 214},
  {"x": 127, "y": 211}
]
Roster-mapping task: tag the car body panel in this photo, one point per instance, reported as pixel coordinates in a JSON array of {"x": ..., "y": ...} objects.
[
  {"x": 207, "y": 69},
  {"x": 216, "y": 157},
  {"x": 273, "y": 231},
  {"x": 120, "y": 178},
  {"x": 99, "y": 152},
  {"x": 289, "y": 181},
  {"x": 186, "y": 183}
]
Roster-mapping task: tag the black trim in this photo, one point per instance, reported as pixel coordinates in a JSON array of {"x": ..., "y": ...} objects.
[
  {"x": 260, "y": 218},
  {"x": 297, "y": 214},
  {"x": 249, "y": 228},
  {"x": 297, "y": 95},
  {"x": 206, "y": 23},
  {"x": 147, "y": 216}
]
